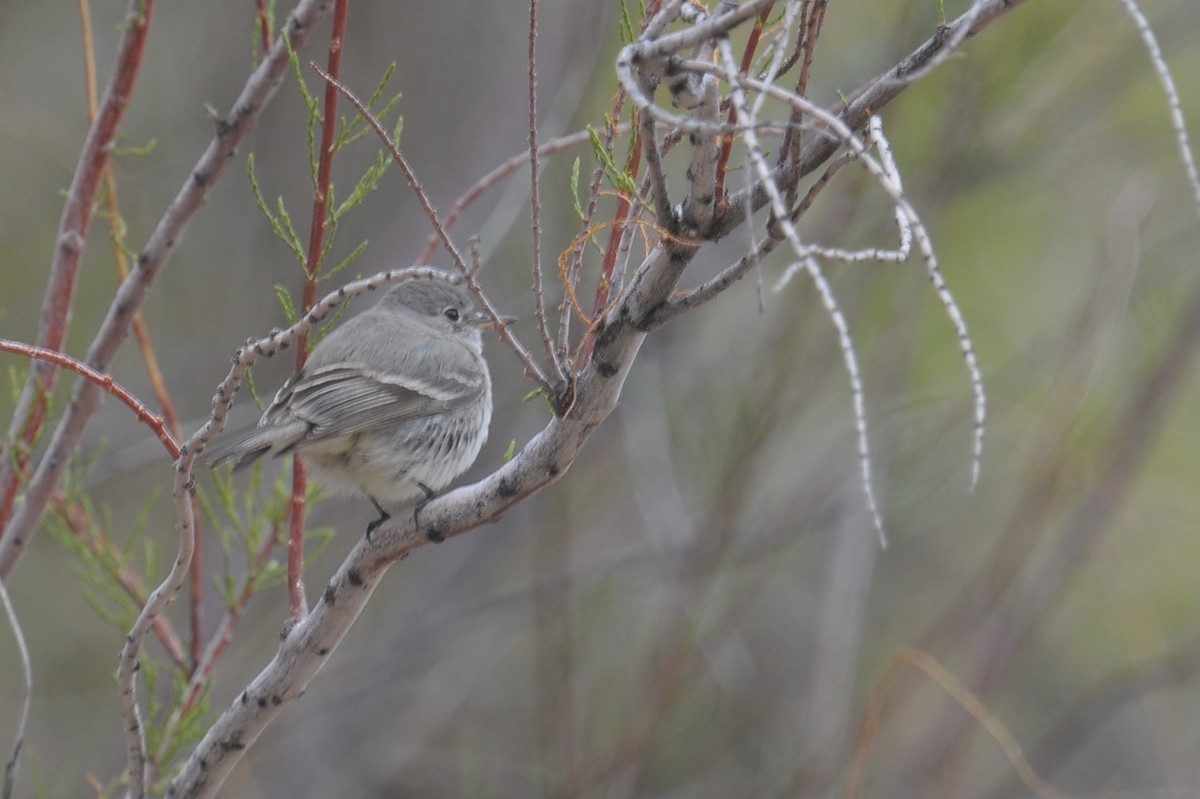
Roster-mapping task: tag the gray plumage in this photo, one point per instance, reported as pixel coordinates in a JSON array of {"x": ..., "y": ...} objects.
[{"x": 393, "y": 404}]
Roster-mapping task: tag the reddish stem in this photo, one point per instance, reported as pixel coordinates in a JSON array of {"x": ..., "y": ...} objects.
[
  {"x": 620, "y": 220},
  {"x": 727, "y": 140},
  {"x": 264, "y": 24},
  {"x": 312, "y": 268},
  {"x": 224, "y": 634}
]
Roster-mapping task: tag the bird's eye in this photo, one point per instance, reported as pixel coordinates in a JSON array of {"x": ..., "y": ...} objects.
[{"x": 451, "y": 313}]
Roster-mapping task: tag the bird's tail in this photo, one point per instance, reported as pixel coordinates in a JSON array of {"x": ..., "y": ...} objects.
[{"x": 244, "y": 449}]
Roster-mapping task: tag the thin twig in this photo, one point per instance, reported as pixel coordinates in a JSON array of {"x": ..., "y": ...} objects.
[
  {"x": 508, "y": 167},
  {"x": 570, "y": 275},
  {"x": 1150, "y": 42},
  {"x": 727, "y": 141},
  {"x": 105, "y": 381},
  {"x": 812, "y": 19},
  {"x": 967, "y": 700},
  {"x": 263, "y": 20},
  {"x": 535, "y": 202}
]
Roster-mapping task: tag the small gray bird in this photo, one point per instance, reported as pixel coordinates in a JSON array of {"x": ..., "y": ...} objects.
[{"x": 393, "y": 404}]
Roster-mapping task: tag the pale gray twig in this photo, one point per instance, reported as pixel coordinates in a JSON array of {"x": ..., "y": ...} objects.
[
  {"x": 10, "y": 768},
  {"x": 806, "y": 261},
  {"x": 1150, "y": 42}
]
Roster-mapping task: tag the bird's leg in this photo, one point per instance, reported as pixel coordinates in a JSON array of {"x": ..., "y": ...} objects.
[
  {"x": 433, "y": 534},
  {"x": 383, "y": 517}
]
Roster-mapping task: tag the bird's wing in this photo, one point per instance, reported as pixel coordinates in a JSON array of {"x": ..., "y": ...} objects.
[{"x": 344, "y": 399}]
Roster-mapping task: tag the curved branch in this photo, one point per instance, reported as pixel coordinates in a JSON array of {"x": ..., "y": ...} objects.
[{"x": 105, "y": 382}]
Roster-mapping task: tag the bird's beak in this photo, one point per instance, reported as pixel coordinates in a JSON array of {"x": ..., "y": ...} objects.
[{"x": 485, "y": 322}]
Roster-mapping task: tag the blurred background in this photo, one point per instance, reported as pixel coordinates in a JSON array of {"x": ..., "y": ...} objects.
[{"x": 700, "y": 607}]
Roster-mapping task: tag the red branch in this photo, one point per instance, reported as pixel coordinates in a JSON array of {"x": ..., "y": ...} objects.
[
  {"x": 312, "y": 269},
  {"x": 105, "y": 381},
  {"x": 264, "y": 24},
  {"x": 727, "y": 140}
]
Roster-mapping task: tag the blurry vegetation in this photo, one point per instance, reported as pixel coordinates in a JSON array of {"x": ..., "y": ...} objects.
[{"x": 699, "y": 608}]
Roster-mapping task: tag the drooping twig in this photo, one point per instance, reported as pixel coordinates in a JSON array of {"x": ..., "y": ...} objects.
[
  {"x": 1150, "y": 42},
  {"x": 14, "y": 761}
]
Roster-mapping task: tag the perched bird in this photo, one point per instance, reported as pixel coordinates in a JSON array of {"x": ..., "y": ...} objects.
[{"x": 393, "y": 404}]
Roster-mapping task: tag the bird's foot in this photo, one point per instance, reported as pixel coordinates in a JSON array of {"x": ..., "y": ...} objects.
[
  {"x": 434, "y": 534},
  {"x": 383, "y": 517}
]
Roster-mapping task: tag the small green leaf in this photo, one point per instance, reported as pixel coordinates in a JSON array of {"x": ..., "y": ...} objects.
[
  {"x": 617, "y": 176},
  {"x": 291, "y": 238},
  {"x": 285, "y": 302},
  {"x": 627, "y": 33},
  {"x": 512, "y": 450},
  {"x": 349, "y": 259},
  {"x": 366, "y": 184},
  {"x": 282, "y": 232},
  {"x": 575, "y": 188},
  {"x": 139, "y": 150}
]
